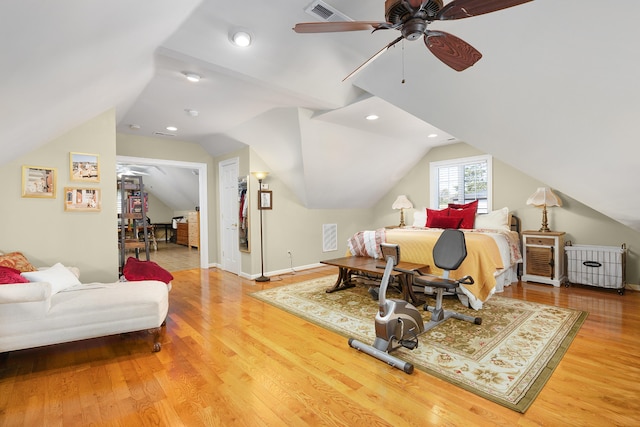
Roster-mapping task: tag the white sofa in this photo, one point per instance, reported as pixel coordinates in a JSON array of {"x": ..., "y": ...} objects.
[{"x": 37, "y": 314}]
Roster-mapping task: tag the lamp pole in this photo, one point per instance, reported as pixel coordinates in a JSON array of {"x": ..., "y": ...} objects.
[{"x": 261, "y": 176}]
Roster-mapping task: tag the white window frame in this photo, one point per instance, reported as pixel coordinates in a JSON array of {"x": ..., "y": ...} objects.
[{"x": 434, "y": 187}]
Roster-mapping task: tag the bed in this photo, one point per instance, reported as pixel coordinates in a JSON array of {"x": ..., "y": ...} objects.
[{"x": 493, "y": 250}]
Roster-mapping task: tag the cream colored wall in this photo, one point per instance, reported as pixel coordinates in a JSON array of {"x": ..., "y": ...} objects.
[
  {"x": 511, "y": 188},
  {"x": 41, "y": 229},
  {"x": 159, "y": 212},
  {"x": 289, "y": 225},
  {"x": 157, "y": 148},
  {"x": 46, "y": 234}
]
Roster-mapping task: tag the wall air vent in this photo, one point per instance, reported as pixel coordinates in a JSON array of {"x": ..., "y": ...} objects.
[
  {"x": 329, "y": 237},
  {"x": 323, "y": 12}
]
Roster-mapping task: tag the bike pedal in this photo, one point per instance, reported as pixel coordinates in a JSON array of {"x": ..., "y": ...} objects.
[{"x": 409, "y": 344}]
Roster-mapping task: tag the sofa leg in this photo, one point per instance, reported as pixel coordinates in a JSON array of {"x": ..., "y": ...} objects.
[{"x": 156, "y": 339}]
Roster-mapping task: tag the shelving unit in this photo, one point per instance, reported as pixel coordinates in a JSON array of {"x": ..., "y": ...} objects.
[{"x": 133, "y": 218}]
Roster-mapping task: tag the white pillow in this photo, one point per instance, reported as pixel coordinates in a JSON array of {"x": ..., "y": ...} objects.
[
  {"x": 496, "y": 220},
  {"x": 420, "y": 217},
  {"x": 58, "y": 276}
]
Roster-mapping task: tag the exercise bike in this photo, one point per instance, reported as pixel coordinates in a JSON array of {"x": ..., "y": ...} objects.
[{"x": 397, "y": 324}]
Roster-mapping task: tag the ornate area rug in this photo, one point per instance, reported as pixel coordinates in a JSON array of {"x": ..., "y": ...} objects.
[{"x": 507, "y": 359}]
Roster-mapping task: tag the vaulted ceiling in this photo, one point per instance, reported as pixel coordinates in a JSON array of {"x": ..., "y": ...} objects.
[{"x": 552, "y": 96}]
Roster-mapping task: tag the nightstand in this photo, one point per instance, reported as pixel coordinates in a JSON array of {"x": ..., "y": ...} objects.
[{"x": 543, "y": 257}]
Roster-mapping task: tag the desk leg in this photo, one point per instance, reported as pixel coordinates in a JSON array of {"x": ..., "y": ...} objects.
[
  {"x": 406, "y": 281},
  {"x": 343, "y": 282}
]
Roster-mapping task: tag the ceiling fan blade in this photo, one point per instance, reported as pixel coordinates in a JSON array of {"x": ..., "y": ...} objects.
[
  {"x": 459, "y": 9},
  {"x": 373, "y": 58},
  {"x": 451, "y": 50},
  {"x": 330, "y": 27}
]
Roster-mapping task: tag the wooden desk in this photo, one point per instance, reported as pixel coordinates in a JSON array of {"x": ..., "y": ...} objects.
[
  {"x": 167, "y": 228},
  {"x": 348, "y": 266}
]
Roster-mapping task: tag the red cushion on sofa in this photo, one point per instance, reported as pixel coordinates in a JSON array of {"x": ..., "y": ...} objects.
[
  {"x": 134, "y": 269},
  {"x": 432, "y": 214},
  {"x": 10, "y": 275},
  {"x": 446, "y": 222}
]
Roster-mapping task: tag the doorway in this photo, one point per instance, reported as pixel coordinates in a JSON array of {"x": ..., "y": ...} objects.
[{"x": 199, "y": 169}]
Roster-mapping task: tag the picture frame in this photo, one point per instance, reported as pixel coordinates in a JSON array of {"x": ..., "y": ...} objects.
[
  {"x": 84, "y": 167},
  {"x": 82, "y": 199},
  {"x": 265, "y": 199},
  {"x": 39, "y": 182}
]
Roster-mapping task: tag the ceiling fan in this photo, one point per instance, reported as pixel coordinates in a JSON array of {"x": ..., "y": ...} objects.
[{"x": 411, "y": 18}]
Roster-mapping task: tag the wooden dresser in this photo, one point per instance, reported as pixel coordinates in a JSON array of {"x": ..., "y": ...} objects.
[
  {"x": 182, "y": 234},
  {"x": 188, "y": 233},
  {"x": 193, "y": 220}
]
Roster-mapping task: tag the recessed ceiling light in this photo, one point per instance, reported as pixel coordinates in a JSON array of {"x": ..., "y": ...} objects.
[
  {"x": 172, "y": 128},
  {"x": 432, "y": 135},
  {"x": 192, "y": 113},
  {"x": 372, "y": 117},
  {"x": 192, "y": 77},
  {"x": 241, "y": 38}
]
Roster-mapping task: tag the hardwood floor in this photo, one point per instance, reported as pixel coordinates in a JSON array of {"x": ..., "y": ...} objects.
[
  {"x": 173, "y": 257},
  {"x": 229, "y": 359}
]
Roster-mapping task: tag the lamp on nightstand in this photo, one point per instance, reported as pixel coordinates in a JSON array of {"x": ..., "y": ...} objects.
[
  {"x": 544, "y": 197},
  {"x": 402, "y": 203}
]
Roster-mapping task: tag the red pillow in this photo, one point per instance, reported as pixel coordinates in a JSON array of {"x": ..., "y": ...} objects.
[
  {"x": 134, "y": 269},
  {"x": 467, "y": 217},
  {"x": 470, "y": 205},
  {"x": 433, "y": 214},
  {"x": 10, "y": 275},
  {"x": 446, "y": 222},
  {"x": 466, "y": 211}
]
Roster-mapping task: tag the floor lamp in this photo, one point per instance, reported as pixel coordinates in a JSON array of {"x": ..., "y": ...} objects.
[{"x": 260, "y": 176}]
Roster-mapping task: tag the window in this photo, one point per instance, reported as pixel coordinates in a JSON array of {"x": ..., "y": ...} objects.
[{"x": 462, "y": 181}]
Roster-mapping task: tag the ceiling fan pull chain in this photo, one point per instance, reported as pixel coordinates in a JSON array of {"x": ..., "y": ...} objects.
[{"x": 402, "y": 61}]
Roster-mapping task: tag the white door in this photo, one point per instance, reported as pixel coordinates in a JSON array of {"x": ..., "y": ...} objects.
[{"x": 229, "y": 206}]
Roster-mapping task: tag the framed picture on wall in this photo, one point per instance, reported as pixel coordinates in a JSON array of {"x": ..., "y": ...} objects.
[
  {"x": 82, "y": 199},
  {"x": 84, "y": 167},
  {"x": 39, "y": 181},
  {"x": 265, "y": 199}
]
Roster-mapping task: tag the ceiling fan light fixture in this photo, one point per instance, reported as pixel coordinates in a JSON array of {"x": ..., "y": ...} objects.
[
  {"x": 192, "y": 77},
  {"x": 241, "y": 38}
]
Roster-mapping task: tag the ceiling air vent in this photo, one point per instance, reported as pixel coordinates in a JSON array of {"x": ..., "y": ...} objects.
[
  {"x": 323, "y": 12},
  {"x": 164, "y": 134}
]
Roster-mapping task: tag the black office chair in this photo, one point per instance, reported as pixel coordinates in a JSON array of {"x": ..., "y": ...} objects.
[{"x": 448, "y": 253}]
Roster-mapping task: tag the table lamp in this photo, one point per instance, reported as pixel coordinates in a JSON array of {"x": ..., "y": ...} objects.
[
  {"x": 402, "y": 203},
  {"x": 544, "y": 197}
]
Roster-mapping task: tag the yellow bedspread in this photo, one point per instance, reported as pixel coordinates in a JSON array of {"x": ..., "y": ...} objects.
[{"x": 483, "y": 256}]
